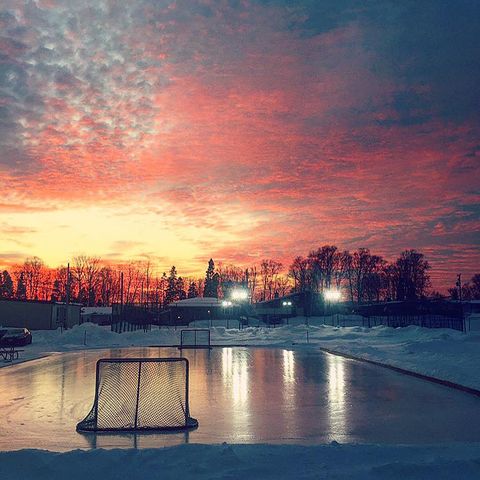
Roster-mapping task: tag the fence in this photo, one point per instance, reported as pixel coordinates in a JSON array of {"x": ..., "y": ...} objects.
[
  {"x": 428, "y": 321},
  {"x": 339, "y": 320},
  {"x": 131, "y": 318}
]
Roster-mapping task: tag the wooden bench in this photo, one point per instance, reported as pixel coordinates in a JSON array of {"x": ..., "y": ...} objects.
[{"x": 9, "y": 354}]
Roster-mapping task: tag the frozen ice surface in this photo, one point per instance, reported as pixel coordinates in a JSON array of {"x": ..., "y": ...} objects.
[
  {"x": 242, "y": 395},
  {"x": 442, "y": 353}
]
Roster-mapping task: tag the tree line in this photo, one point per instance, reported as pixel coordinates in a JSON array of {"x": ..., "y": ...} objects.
[{"x": 361, "y": 276}]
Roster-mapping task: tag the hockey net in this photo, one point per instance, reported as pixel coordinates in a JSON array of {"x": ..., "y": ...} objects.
[
  {"x": 140, "y": 394},
  {"x": 195, "y": 338}
]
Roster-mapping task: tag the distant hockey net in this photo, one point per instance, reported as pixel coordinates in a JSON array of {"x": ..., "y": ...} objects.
[
  {"x": 195, "y": 338},
  {"x": 140, "y": 394}
]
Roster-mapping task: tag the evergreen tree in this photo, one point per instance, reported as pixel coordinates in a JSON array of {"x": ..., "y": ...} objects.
[
  {"x": 212, "y": 281},
  {"x": 171, "y": 293},
  {"x": 21, "y": 293},
  {"x": 192, "y": 290},
  {"x": 6, "y": 285},
  {"x": 181, "y": 295}
]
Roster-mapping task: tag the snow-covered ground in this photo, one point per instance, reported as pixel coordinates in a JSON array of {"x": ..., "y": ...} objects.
[
  {"x": 245, "y": 462},
  {"x": 441, "y": 353}
]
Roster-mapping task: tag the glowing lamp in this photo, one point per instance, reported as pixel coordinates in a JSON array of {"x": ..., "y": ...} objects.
[
  {"x": 239, "y": 294},
  {"x": 332, "y": 295}
]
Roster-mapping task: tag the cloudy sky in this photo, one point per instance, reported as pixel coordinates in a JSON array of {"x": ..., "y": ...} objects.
[{"x": 181, "y": 130}]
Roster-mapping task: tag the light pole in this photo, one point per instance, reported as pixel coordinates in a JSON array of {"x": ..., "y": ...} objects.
[
  {"x": 287, "y": 304},
  {"x": 226, "y": 304},
  {"x": 331, "y": 295}
]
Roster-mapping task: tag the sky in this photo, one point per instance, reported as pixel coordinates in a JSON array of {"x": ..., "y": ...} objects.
[{"x": 240, "y": 130}]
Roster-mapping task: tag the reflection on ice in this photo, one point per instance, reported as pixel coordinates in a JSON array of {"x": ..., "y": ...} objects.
[
  {"x": 235, "y": 375},
  {"x": 336, "y": 394},
  {"x": 288, "y": 367},
  {"x": 235, "y": 381}
]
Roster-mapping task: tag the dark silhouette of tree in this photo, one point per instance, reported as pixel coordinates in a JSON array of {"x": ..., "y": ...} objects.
[
  {"x": 33, "y": 273},
  {"x": 181, "y": 295},
  {"x": 323, "y": 263},
  {"x": 6, "y": 285},
  {"x": 59, "y": 286},
  {"x": 283, "y": 286},
  {"x": 269, "y": 270},
  {"x": 475, "y": 287},
  {"x": 231, "y": 277},
  {"x": 251, "y": 278},
  {"x": 21, "y": 291},
  {"x": 300, "y": 272},
  {"x": 212, "y": 281},
  {"x": 171, "y": 293},
  {"x": 363, "y": 273},
  {"x": 436, "y": 296},
  {"x": 192, "y": 290},
  {"x": 108, "y": 286},
  {"x": 412, "y": 275},
  {"x": 86, "y": 273},
  {"x": 470, "y": 290}
]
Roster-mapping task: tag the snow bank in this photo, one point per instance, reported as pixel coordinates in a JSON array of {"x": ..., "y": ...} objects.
[
  {"x": 248, "y": 462},
  {"x": 442, "y": 353}
]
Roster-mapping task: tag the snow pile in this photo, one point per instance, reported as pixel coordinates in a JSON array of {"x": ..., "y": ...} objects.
[{"x": 249, "y": 462}]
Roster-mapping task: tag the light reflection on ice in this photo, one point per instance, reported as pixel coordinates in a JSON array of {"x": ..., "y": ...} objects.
[
  {"x": 336, "y": 394},
  {"x": 288, "y": 368}
]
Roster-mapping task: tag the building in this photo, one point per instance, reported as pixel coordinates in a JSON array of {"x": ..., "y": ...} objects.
[
  {"x": 185, "y": 311},
  {"x": 98, "y": 315},
  {"x": 292, "y": 305},
  {"x": 38, "y": 314}
]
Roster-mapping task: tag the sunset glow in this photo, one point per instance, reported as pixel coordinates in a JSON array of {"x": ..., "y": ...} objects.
[{"x": 186, "y": 130}]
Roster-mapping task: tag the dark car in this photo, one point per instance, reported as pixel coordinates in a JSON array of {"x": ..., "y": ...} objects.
[{"x": 15, "y": 337}]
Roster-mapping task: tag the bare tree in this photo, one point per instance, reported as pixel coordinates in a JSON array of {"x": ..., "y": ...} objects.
[
  {"x": 301, "y": 274},
  {"x": 252, "y": 281},
  {"x": 363, "y": 275},
  {"x": 34, "y": 273},
  {"x": 283, "y": 285},
  {"x": 324, "y": 263},
  {"x": 86, "y": 274},
  {"x": 412, "y": 275},
  {"x": 269, "y": 270}
]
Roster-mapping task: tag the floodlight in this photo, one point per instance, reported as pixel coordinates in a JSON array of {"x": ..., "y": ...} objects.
[
  {"x": 226, "y": 303},
  {"x": 239, "y": 294},
  {"x": 332, "y": 295}
]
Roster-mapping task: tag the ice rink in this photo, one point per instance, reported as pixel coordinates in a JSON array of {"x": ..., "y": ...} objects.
[{"x": 241, "y": 395}]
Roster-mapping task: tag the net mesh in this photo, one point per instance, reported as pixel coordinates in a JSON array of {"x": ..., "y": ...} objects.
[
  {"x": 195, "y": 338},
  {"x": 140, "y": 394}
]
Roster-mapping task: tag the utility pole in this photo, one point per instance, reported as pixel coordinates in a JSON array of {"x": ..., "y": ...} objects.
[
  {"x": 121, "y": 296},
  {"x": 459, "y": 285},
  {"x": 67, "y": 300}
]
